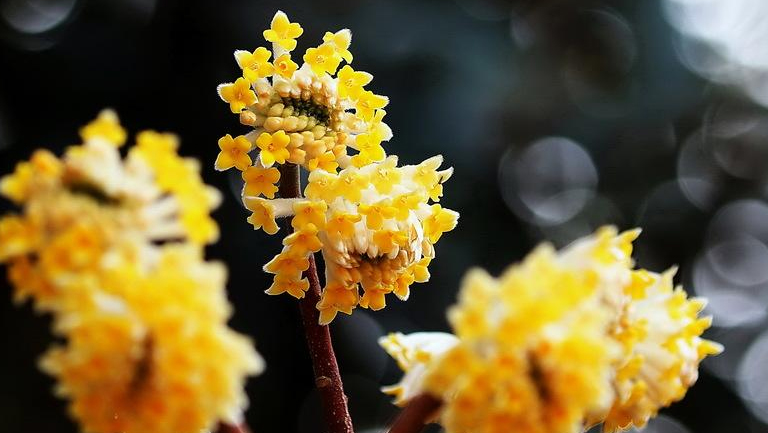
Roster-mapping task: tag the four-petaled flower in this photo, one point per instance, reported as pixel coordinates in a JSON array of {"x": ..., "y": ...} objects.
[
  {"x": 234, "y": 153},
  {"x": 367, "y": 102},
  {"x": 274, "y": 147},
  {"x": 285, "y": 66},
  {"x": 283, "y": 32},
  {"x": 322, "y": 59},
  {"x": 340, "y": 42},
  {"x": 263, "y": 215},
  {"x": 260, "y": 181},
  {"x": 238, "y": 94},
  {"x": 255, "y": 65},
  {"x": 351, "y": 82}
]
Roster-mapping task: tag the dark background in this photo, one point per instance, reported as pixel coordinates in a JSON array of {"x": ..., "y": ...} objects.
[{"x": 558, "y": 116}]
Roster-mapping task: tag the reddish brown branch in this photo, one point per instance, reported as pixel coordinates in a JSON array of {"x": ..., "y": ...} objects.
[
  {"x": 327, "y": 377},
  {"x": 230, "y": 428},
  {"x": 415, "y": 416}
]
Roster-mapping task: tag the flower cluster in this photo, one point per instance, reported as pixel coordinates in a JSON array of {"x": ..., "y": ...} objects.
[
  {"x": 308, "y": 115},
  {"x": 559, "y": 342},
  {"x": 113, "y": 248},
  {"x": 374, "y": 226}
]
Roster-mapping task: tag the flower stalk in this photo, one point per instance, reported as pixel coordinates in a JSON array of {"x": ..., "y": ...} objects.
[
  {"x": 416, "y": 415},
  {"x": 326, "y": 369}
]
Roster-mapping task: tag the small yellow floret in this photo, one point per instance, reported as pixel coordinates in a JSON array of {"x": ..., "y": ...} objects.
[
  {"x": 260, "y": 181},
  {"x": 367, "y": 102},
  {"x": 287, "y": 284},
  {"x": 238, "y": 94},
  {"x": 309, "y": 212},
  {"x": 106, "y": 127},
  {"x": 340, "y": 42},
  {"x": 255, "y": 65},
  {"x": 274, "y": 147},
  {"x": 283, "y": 32},
  {"x": 322, "y": 59},
  {"x": 234, "y": 153},
  {"x": 285, "y": 66},
  {"x": 263, "y": 216},
  {"x": 351, "y": 82}
]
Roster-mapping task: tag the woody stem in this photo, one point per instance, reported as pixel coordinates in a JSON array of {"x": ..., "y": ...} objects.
[
  {"x": 415, "y": 416},
  {"x": 324, "y": 364}
]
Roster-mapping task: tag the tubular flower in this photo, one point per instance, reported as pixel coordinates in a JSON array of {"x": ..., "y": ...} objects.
[
  {"x": 380, "y": 241},
  {"x": 557, "y": 343},
  {"x": 112, "y": 247},
  {"x": 321, "y": 108}
]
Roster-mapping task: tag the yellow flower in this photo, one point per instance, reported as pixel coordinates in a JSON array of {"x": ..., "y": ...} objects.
[
  {"x": 17, "y": 237},
  {"x": 285, "y": 66},
  {"x": 376, "y": 213},
  {"x": 288, "y": 265},
  {"x": 106, "y": 127},
  {"x": 439, "y": 221},
  {"x": 309, "y": 212},
  {"x": 369, "y": 146},
  {"x": 283, "y": 32},
  {"x": 322, "y": 59},
  {"x": 325, "y": 161},
  {"x": 340, "y": 42},
  {"x": 273, "y": 147},
  {"x": 342, "y": 225},
  {"x": 557, "y": 343},
  {"x": 304, "y": 240},
  {"x": 337, "y": 298},
  {"x": 112, "y": 247},
  {"x": 263, "y": 215},
  {"x": 238, "y": 94},
  {"x": 308, "y": 103},
  {"x": 367, "y": 102},
  {"x": 134, "y": 341},
  {"x": 234, "y": 153},
  {"x": 255, "y": 65},
  {"x": 294, "y": 287},
  {"x": 375, "y": 297},
  {"x": 260, "y": 181}
]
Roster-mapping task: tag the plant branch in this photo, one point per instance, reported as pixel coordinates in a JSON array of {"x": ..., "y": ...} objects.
[
  {"x": 231, "y": 428},
  {"x": 324, "y": 364},
  {"x": 416, "y": 415}
]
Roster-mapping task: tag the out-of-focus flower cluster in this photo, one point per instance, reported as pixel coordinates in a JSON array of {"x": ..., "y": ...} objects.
[
  {"x": 113, "y": 248},
  {"x": 374, "y": 226},
  {"x": 559, "y": 342},
  {"x": 303, "y": 115}
]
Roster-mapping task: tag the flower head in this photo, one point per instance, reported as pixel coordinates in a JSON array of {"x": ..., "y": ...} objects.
[
  {"x": 322, "y": 114},
  {"x": 113, "y": 248},
  {"x": 371, "y": 236},
  {"x": 558, "y": 342}
]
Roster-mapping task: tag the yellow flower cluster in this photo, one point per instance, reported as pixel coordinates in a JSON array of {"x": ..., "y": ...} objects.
[
  {"x": 374, "y": 226},
  {"x": 308, "y": 115},
  {"x": 559, "y": 342},
  {"x": 113, "y": 248}
]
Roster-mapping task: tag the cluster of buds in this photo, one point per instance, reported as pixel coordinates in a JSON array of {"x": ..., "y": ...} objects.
[
  {"x": 374, "y": 222},
  {"x": 309, "y": 115},
  {"x": 113, "y": 249},
  {"x": 558, "y": 343}
]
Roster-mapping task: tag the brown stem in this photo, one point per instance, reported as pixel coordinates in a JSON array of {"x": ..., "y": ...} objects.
[
  {"x": 415, "y": 416},
  {"x": 231, "y": 428},
  {"x": 327, "y": 377}
]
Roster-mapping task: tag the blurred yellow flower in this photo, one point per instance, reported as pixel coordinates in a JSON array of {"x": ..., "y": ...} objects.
[
  {"x": 113, "y": 247},
  {"x": 557, "y": 343}
]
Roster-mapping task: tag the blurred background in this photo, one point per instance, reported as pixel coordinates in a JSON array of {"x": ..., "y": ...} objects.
[{"x": 558, "y": 115}]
